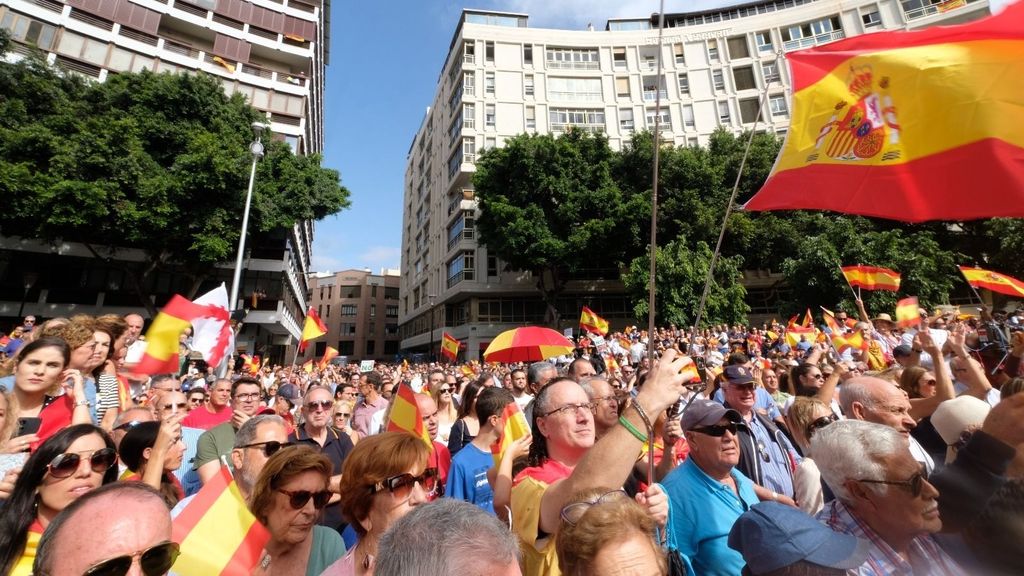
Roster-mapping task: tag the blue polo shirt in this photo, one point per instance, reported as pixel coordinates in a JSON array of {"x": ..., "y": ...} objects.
[{"x": 702, "y": 510}]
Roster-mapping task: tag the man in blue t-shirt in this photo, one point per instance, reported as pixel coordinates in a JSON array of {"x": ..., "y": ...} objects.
[{"x": 467, "y": 478}]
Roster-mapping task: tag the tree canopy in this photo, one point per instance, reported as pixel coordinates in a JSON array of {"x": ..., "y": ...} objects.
[{"x": 158, "y": 162}]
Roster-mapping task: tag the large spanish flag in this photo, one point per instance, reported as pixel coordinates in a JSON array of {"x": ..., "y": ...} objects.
[
  {"x": 589, "y": 320},
  {"x": 163, "y": 337},
  {"x": 912, "y": 126},
  {"x": 872, "y": 277},
  {"x": 405, "y": 415},
  {"x": 994, "y": 281},
  {"x": 449, "y": 346},
  {"x": 842, "y": 342},
  {"x": 907, "y": 312},
  {"x": 312, "y": 329},
  {"x": 217, "y": 532}
]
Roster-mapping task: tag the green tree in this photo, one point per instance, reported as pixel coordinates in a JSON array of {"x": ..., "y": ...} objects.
[
  {"x": 549, "y": 205},
  {"x": 680, "y": 276},
  {"x": 157, "y": 162}
]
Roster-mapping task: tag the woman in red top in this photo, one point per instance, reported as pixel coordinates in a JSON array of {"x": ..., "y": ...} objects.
[{"x": 152, "y": 451}]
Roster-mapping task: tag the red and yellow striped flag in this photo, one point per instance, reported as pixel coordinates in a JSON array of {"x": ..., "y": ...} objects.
[
  {"x": 217, "y": 533},
  {"x": 307, "y": 366},
  {"x": 831, "y": 322},
  {"x": 808, "y": 319},
  {"x": 862, "y": 140},
  {"x": 590, "y": 321},
  {"x": 405, "y": 415},
  {"x": 449, "y": 346},
  {"x": 842, "y": 342},
  {"x": 994, "y": 281},
  {"x": 872, "y": 277},
  {"x": 162, "y": 338},
  {"x": 907, "y": 315},
  {"x": 513, "y": 427},
  {"x": 312, "y": 329},
  {"x": 329, "y": 354},
  {"x": 610, "y": 363}
]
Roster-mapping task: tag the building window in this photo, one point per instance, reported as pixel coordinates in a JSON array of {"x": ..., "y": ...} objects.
[
  {"x": 664, "y": 117},
  {"x": 468, "y": 116},
  {"x": 328, "y": 311},
  {"x": 348, "y": 328},
  {"x": 743, "y": 78},
  {"x": 688, "y": 116},
  {"x": 622, "y": 87},
  {"x": 723, "y": 112},
  {"x": 871, "y": 19},
  {"x": 489, "y": 52},
  {"x": 763, "y": 39},
  {"x": 489, "y": 115},
  {"x": 371, "y": 345},
  {"x": 373, "y": 310},
  {"x": 469, "y": 84},
  {"x": 469, "y": 52},
  {"x": 684, "y": 84},
  {"x": 770, "y": 71},
  {"x": 531, "y": 118},
  {"x": 528, "y": 84},
  {"x": 749, "y": 108},
  {"x": 528, "y": 54},
  {"x": 650, "y": 62},
  {"x": 692, "y": 142},
  {"x": 654, "y": 87},
  {"x": 561, "y": 119},
  {"x": 573, "y": 59},
  {"x": 678, "y": 50},
  {"x": 460, "y": 268},
  {"x": 348, "y": 309},
  {"x": 575, "y": 89},
  {"x": 492, "y": 266},
  {"x": 391, "y": 310},
  {"x": 713, "y": 50},
  {"x": 811, "y": 33},
  {"x": 718, "y": 79},
  {"x": 626, "y": 119},
  {"x": 469, "y": 149},
  {"x": 738, "y": 47},
  {"x": 777, "y": 104},
  {"x": 489, "y": 83},
  {"x": 490, "y": 143},
  {"x": 30, "y": 31},
  {"x": 346, "y": 347},
  {"x": 619, "y": 58}
]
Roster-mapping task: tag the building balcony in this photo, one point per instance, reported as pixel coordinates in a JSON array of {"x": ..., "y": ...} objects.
[
  {"x": 809, "y": 41},
  {"x": 563, "y": 65},
  {"x": 560, "y": 127}
]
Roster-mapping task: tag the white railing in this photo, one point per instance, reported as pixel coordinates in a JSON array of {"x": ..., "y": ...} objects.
[
  {"x": 814, "y": 40},
  {"x": 562, "y": 65}
]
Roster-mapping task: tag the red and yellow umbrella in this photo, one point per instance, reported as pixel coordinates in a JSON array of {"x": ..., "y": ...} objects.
[{"x": 527, "y": 344}]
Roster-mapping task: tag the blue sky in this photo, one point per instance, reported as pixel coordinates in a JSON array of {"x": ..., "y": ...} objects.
[{"x": 385, "y": 60}]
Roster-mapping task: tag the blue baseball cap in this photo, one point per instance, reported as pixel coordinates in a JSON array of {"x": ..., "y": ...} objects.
[{"x": 771, "y": 536}]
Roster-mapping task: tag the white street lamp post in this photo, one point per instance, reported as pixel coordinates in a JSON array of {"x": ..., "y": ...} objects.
[{"x": 256, "y": 148}]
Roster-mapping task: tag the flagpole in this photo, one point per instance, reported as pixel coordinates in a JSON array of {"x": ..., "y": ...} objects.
[
  {"x": 850, "y": 286},
  {"x": 656, "y": 143},
  {"x": 725, "y": 219}
]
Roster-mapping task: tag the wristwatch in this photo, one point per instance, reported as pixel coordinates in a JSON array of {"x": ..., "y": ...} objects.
[{"x": 83, "y": 403}]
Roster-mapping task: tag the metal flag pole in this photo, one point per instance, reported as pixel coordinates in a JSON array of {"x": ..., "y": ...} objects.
[{"x": 656, "y": 142}]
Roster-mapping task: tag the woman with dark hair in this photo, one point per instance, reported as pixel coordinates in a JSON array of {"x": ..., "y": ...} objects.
[
  {"x": 468, "y": 425},
  {"x": 108, "y": 401},
  {"x": 152, "y": 451},
  {"x": 70, "y": 463}
]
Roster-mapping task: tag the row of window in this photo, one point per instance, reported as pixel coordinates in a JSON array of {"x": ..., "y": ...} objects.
[{"x": 348, "y": 347}]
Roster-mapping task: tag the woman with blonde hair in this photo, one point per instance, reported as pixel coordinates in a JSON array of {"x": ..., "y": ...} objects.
[
  {"x": 447, "y": 412},
  {"x": 805, "y": 417},
  {"x": 341, "y": 418}
]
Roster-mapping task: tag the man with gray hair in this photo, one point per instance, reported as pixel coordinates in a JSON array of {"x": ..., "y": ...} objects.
[
  {"x": 606, "y": 403},
  {"x": 316, "y": 431},
  {"x": 875, "y": 400},
  {"x": 883, "y": 496},
  {"x": 537, "y": 376},
  {"x": 470, "y": 542}
]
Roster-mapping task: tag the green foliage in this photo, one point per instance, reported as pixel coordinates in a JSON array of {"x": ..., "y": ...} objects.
[
  {"x": 158, "y": 162},
  {"x": 680, "y": 275}
]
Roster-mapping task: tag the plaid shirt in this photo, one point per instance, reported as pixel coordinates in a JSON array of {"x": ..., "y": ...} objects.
[{"x": 926, "y": 558}]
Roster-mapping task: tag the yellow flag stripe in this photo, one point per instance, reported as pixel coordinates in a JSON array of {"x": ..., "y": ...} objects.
[{"x": 211, "y": 544}]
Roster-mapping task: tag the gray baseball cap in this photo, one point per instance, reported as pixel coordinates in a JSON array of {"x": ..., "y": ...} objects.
[{"x": 706, "y": 413}]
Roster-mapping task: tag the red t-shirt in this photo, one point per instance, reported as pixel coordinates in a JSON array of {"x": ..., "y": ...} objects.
[
  {"x": 441, "y": 459},
  {"x": 203, "y": 419}
]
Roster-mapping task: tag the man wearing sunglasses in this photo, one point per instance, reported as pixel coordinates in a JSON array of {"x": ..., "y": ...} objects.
[
  {"x": 883, "y": 496},
  {"x": 95, "y": 537},
  {"x": 317, "y": 432},
  {"x": 707, "y": 492},
  {"x": 217, "y": 442}
]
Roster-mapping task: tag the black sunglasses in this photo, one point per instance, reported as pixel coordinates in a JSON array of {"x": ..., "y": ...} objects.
[
  {"x": 155, "y": 561},
  {"x": 270, "y": 447},
  {"x": 297, "y": 499},
  {"x": 718, "y": 430},
  {"x": 323, "y": 405},
  {"x": 820, "y": 423},
  {"x": 401, "y": 482},
  {"x": 64, "y": 465},
  {"x": 128, "y": 425}
]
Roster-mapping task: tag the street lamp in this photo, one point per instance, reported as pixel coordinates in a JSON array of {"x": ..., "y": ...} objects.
[
  {"x": 256, "y": 148},
  {"x": 430, "y": 353}
]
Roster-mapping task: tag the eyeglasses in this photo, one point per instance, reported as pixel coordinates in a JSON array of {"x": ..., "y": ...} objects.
[
  {"x": 64, "y": 465},
  {"x": 248, "y": 397},
  {"x": 572, "y": 513},
  {"x": 342, "y": 415},
  {"x": 402, "y": 484},
  {"x": 610, "y": 399},
  {"x": 322, "y": 405},
  {"x": 914, "y": 484},
  {"x": 154, "y": 561},
  {"x": 930, "y": 382},
  {"x": 571, "y": 409},
  {"x": 270, "y": 447},
  {"x": 820, "y": 423},
  {"x": 444, "y": 390},
  {"x": 299, "y": 498},
  {"x": 718, "y": 430},
  {"x": 128, "y": 425},
  {"x": 817, "y": 376}
]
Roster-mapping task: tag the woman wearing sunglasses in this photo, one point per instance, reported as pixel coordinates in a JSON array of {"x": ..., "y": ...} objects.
[
  {"x": 288, "y": 498},
  {"x": 805, "y": 417},
  {"x": 447, "y": 412},
  {"x": 152, "y": 451},
  {"x": 69, "y": 464},
  {"x": 385, "y": 476},
  {"x": 342, "y": 418}
]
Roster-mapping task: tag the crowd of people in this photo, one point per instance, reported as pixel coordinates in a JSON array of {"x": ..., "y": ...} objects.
[{"x": 734, "y": 450}]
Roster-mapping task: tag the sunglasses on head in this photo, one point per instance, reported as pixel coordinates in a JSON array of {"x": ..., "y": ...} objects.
[
  {"x": 402, "y": 484},
  {"x": 820, "y": 423},
  {"x": 270, "y": 447},
  {"x": 154, "y": 561},
  {"x": 718, "y": 430},
  {"x": 297, "y": 499},
  {"x": 64, "y": 465},
  {"x": 323, "y": 405}
]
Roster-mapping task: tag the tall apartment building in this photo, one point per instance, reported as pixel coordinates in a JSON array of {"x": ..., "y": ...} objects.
[
  {"x": 271, "y": 51},
  {"x": 502, "y": 78},
  {"x": 360, "y": 310}
]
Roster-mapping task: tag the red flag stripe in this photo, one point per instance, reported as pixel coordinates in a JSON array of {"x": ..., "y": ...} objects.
[
  {"x": 249, "y": 549},
  {"x": 201, "y": 502}
]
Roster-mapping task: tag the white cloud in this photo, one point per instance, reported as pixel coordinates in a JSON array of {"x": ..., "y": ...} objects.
[
  {"x": 576, "y": 14},
  {"x": 377, "y": 257}
]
